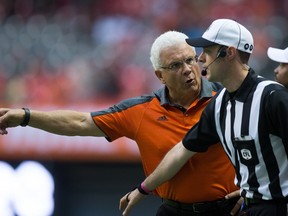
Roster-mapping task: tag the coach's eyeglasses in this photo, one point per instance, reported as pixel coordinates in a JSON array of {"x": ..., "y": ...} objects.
[{"x": 175, "y": 66}]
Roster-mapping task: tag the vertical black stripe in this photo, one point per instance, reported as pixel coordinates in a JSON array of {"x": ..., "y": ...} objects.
[
  {"x": 222, "y": 125},
  {"x": 238, "y": 176}
]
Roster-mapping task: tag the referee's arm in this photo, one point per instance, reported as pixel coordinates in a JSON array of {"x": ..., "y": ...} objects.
[
  {"x": 167, "y": 168},
  {"x": 173, "y": 161}
]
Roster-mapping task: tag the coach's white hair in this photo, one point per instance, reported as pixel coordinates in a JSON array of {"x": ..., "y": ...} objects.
[{"x": 167, "y": 39}]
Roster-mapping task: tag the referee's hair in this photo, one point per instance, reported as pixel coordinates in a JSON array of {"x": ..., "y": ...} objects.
[{"x": 244, "y": 56}]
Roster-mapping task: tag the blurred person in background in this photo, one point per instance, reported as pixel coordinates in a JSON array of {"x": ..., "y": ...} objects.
[
  {"x": 281, "y": 71},
  {"x": 156, "y": 122}
]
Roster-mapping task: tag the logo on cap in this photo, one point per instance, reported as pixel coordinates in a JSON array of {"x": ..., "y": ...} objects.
[{"x": 247, "y": 46}]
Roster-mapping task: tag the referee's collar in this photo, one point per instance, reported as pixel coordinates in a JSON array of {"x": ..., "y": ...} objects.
[
  {"x": 243, "y": 91},
  {"x": 206, "y": 91}
]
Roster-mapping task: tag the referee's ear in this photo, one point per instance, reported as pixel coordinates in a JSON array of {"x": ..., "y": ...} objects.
[{"x": 232, "y": 52}]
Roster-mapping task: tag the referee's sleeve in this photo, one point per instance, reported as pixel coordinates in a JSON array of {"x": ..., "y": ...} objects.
[{"x": 203, "y": 134}]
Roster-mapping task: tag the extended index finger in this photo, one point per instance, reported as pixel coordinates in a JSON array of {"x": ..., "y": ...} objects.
[
  {"x": 123, "y": 202},
  {"x": 233, "y": 194}
]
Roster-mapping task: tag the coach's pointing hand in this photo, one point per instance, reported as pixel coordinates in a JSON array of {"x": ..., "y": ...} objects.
[{"x": 10, "y": 118}]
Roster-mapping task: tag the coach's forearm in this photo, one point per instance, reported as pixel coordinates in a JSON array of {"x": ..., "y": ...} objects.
[
  {"x": 169, "y": 166},
  {"x": 63, "y": 122}
]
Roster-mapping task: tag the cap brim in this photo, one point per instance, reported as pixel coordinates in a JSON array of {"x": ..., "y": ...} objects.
[
  {"x": 277, "y": 55},
  {"x": 199, "y": 42}
]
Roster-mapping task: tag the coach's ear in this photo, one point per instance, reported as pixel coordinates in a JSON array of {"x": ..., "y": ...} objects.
[{"x": 158, "y": 73}]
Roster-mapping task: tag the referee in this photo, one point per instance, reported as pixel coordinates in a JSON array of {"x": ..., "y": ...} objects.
[{"x": 249, "y": 118}]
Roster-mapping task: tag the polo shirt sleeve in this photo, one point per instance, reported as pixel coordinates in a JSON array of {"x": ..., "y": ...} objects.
[
  {"x": 204, "y": 133},
  {"x": 121, "y": 119}
]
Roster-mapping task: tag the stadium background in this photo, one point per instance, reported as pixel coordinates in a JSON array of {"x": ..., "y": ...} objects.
[{"x": 89, "y": 54}]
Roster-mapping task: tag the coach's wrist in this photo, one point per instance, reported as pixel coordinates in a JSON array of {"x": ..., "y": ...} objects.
[{"x": 26, "y": 118}]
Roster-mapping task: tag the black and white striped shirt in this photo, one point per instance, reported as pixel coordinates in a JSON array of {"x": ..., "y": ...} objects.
[{"x": 252, "y": 125}]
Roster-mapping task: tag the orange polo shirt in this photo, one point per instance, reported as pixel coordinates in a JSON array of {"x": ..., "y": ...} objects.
[{"x": 157, "y": 125}]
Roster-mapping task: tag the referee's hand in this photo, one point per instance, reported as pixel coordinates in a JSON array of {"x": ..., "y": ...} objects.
[
  {"x": 239, "y": 203},
  {"x": 128, "y": 201}
]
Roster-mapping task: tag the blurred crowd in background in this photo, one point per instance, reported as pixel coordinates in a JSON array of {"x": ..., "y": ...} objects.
[{"x": 97, "y": 51}]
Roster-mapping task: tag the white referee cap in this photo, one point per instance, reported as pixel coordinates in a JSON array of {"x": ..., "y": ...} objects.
[
  {"x": 225, "y": 32},
  {"x": 278, "y": 55}
]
